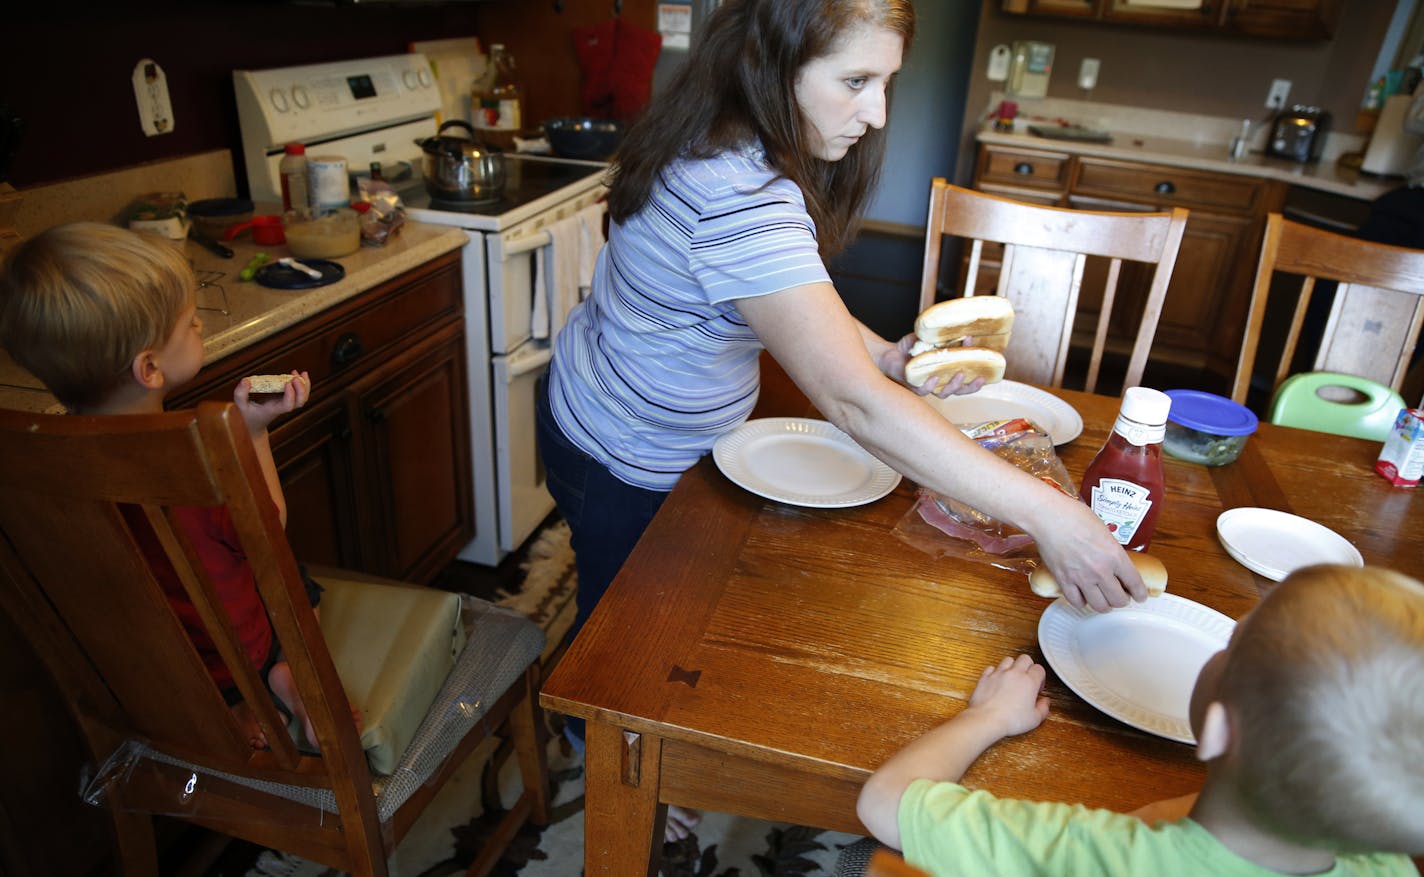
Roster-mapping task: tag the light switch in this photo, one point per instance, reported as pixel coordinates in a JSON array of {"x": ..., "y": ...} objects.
[{"x": 1088, "y": 74}]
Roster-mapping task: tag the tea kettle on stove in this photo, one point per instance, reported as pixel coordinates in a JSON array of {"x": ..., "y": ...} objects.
[{"x": 461, "y": 168}]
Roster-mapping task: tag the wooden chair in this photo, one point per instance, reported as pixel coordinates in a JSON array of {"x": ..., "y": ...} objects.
[
  {"x": 73, "y": 579},
  {"x": 1044, "y": 253},
  {"x": 1374, "y": 321}
]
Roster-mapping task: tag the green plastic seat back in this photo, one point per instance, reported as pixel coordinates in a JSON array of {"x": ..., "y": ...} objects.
[{"x": 1298, "y": 403}]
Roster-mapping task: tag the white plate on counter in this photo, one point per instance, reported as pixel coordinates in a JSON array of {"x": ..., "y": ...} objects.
[
  {"x": 1138, "y": 664},
  {"x": 803, "y": 462},
  {"x": 1275, "y": 543},
  {"x": 1009, "y": 399}
]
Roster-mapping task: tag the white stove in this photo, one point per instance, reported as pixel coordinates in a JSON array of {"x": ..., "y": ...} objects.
[{"x": 376, "y": 109}]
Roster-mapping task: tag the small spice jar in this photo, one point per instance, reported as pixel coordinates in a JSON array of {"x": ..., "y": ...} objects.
[{"x": 1206, "y": 428}]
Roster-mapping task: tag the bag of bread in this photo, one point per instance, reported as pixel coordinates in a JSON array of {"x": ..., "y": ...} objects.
[{"x": 942, "y": 526}]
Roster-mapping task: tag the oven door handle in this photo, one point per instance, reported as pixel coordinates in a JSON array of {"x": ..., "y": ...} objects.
[{"x": 522, "y": 363}]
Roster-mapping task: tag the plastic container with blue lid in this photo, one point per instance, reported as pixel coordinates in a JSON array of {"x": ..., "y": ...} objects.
[{"x": 1206, "y": 428}]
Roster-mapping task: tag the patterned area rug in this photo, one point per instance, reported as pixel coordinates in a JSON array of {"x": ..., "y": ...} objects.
[{"x": 447, "y": 836}]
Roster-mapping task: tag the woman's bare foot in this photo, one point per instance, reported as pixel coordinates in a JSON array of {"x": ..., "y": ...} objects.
[{"x": 680, "y": 822}]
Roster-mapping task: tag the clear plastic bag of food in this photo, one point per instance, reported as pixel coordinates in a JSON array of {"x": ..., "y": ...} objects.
[
  {"x": 382, "y": 211},
  {"x": 942, "y": 526}
]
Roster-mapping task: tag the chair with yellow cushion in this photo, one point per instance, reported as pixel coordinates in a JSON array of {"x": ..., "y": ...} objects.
[{"x": 158, "y": 731}]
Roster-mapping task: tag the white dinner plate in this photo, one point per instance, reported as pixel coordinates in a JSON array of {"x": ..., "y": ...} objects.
[
  {"x": 1009, "y": 399},
  {"x": 1138, "y": 664},
  {"x": 803, "y": 462},
  {"x": 1275, "y": 543}
]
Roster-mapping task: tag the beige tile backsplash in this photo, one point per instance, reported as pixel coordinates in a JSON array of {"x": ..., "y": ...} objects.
[{"x": 103, "y": 197}]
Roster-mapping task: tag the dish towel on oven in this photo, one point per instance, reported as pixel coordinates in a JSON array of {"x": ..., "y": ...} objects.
[{"x": 564, "y": 281}]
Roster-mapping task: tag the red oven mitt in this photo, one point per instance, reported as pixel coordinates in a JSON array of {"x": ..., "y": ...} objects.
[{"x": 616, "y": 58}]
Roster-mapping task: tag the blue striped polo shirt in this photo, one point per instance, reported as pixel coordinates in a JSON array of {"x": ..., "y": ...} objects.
[{"x": 658, "y": 362}]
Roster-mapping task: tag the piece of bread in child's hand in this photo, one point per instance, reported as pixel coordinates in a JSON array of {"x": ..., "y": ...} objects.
[
  {"x": 269, "y": 383},
  {"x": 1153, "y": 573}
]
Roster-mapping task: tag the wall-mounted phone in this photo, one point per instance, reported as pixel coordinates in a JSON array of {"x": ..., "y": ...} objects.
[{"x": 1029, "y": 69}]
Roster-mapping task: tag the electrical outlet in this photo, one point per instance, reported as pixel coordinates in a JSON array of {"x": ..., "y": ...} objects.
[
  {"x": 1088, "y": 74},
  {"x": 1276, "y": 97}
]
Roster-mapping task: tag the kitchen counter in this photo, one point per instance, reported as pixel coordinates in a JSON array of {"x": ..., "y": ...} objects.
[
  {"x": 255, "y": 312},
  {"x": 1159, "y": 136},
  {"x": 1321, "y": 175}
]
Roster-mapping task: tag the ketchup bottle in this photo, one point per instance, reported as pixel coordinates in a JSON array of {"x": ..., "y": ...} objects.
[{"x": 1123, "y": 484}]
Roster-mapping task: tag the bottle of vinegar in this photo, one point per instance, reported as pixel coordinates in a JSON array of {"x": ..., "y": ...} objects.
[
  {"x": 1123, "y": 484},
  {"x": 293, "y": 171},
  {"x": 498, "y": 102}
]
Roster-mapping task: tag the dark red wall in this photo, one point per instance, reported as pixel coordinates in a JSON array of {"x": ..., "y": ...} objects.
[
  {"x": 67, "y": 70},
  {"x": 67, "y": 66}
]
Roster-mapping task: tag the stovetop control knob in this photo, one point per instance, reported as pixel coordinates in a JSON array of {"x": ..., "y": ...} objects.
[
  {"x": 279, "y": 100},
  {"x": 424, "y": 76},
  {"x": 300, "y": 97},
  {"x": 410, "y": 79}
]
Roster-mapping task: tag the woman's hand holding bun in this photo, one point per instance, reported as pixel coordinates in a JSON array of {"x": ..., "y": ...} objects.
[
  {"x": 961, "y": 336},
  {"x": 1088, "y": 564}
]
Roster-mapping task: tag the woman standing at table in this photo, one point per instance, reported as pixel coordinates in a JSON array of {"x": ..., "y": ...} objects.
[{"x": 741, "y": 179}]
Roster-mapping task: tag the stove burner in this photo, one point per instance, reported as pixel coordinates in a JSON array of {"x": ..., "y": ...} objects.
[{"x": 465, "y": 206}]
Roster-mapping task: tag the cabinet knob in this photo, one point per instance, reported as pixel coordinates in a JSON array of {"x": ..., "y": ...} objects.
[
  {"x": 348, "y": 349},
  {"x": 1023, "y": 167},
  {"x": 344, "y": 434},
  {"x": 1165, "y": 188},
  {"x": 376, "y": 415}
]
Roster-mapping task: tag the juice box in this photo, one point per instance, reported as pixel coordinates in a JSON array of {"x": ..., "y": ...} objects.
[{"x": 1401, "y": 460}]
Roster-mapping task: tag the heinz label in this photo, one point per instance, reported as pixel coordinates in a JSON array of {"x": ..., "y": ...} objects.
[
  {"x": 1401, "y": 460},
  {"x": 1122, "y": 505}
]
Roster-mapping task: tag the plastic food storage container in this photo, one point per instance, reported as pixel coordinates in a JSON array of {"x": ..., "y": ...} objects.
[
  {"x": 1206, "y": 428},
  {"x": 322, "y": 234}
]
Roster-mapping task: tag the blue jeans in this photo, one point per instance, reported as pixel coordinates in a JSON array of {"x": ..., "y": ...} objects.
[{"x": 606, "y": 516}]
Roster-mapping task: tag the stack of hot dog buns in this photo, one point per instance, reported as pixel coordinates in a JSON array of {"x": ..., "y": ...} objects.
[{"x": 983, "y": 322}]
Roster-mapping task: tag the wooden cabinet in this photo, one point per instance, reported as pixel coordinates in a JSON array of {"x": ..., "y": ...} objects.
[
  {"x": 376, "y": 469},
  {"x": 1205, "y": 309},
  {"x": 1271, "y": 19}
]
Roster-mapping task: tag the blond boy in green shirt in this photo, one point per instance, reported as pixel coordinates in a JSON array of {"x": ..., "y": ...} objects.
[{"x": 1310, "y": 721}]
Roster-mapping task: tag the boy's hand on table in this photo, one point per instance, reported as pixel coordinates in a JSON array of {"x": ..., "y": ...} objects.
[
  {"x": 1009, "y": 696},
  {"x": 259, "y": 412}
]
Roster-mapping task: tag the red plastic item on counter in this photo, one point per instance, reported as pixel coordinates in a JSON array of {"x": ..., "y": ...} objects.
[
  {"x": 1124, "y": 483},
  {"x": 266, "y": 230}
]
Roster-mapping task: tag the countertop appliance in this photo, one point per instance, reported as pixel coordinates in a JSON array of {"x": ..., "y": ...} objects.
[
  {"x": 376, "y": 109},
  {"x": 1298, "y": 133},
  {"x": 1392, "y": 150}
]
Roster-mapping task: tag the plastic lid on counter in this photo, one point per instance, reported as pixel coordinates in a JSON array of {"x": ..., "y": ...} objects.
[{"x": 1208, "y": 412}]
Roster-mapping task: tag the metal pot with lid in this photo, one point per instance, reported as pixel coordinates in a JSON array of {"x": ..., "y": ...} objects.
[{"x": 461, "y": 168}]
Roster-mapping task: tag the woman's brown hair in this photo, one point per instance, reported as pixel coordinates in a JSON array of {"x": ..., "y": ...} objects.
[{"x": 738, "y": 85}]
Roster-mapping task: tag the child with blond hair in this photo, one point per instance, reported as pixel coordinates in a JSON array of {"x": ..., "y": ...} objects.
[
  {"x": 1310, "y": 721},
  {"x": 107, "y": 319}
]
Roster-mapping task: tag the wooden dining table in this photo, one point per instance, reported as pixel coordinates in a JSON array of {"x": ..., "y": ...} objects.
[{"x": 760, "y": 659}]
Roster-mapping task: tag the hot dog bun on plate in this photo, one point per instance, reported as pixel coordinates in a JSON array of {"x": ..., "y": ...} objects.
[
  {"x": 942, "y": 329},
  {"x": 1153, "y": 573}
]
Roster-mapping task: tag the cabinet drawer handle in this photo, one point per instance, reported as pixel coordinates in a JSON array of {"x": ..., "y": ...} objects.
[
  {"x": 1165, "y": 188},
  {"x": 348, "y": 349},
  {"x": 1023, "y": 167}
]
